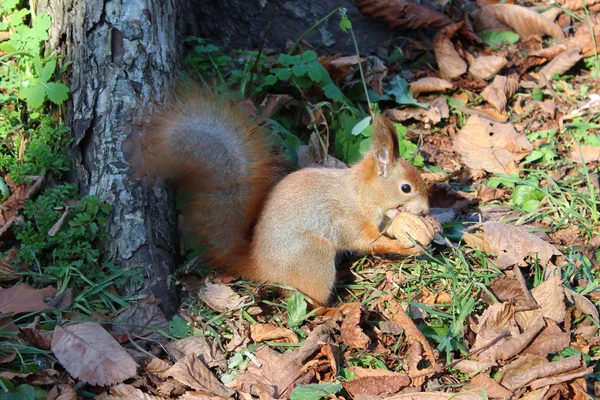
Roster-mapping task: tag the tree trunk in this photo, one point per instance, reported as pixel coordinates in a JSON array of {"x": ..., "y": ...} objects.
[{"x": 124, "y": 58}]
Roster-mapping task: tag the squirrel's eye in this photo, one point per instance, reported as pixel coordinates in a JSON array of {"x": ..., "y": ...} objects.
[{"x": 405, "y": 188}]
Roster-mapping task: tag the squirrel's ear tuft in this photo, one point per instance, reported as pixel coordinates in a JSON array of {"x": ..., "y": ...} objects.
[{"x": 386, "y": 148}]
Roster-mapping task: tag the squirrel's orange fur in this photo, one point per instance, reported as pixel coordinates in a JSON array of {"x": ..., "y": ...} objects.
[{"x": 284, "y": 232}]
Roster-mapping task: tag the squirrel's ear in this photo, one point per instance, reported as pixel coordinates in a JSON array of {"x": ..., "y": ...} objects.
[{"x": 386, "y": 148}]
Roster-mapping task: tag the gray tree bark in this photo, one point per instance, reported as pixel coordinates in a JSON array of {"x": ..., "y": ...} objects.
[{"x": 124, "y": 58}]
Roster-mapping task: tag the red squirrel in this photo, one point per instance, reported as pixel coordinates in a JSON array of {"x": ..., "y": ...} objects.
[{"x": 269, "y": 230}]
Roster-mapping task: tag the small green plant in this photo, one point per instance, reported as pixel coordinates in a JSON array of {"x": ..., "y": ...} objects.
[{"x": 498, "y": 39}]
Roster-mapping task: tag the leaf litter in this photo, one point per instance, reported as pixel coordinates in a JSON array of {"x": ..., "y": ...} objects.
[{"x": 512, "y": 324}]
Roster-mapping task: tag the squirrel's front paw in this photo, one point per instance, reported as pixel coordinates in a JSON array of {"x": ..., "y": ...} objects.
[{"x": 409, "y": 228}]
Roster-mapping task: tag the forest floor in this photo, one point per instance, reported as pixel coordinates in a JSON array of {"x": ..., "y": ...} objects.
[{"x": 501, "y": 112}]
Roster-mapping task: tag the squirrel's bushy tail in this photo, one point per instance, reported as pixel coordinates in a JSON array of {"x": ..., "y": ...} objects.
[{"x": 220, "y": 158}]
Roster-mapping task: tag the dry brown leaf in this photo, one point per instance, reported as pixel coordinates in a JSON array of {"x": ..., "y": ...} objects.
[
  {"x": 583, "y": 304},
  {"x": 577, "y": 4},
  {"x": 7, "y": 325},
  {"x": 351, "y": 332},
  {"x": 583, "y": 38},
  {"x": 7, "y": 269},
  {"x": 450, "y": 63},
  {"x": 419, "y": 347},
  {"x": 513, "y": 246},
  {"x": 490, "y": 146},
  {"x": 566, "y": 377},
  {"x": 340, "y": 68},
  {"x": 91, "y": 354},
  {"x": 435, "y": 396},
  {"x": 206, "y": 350},
  {"x": 374, "y": 74},
  {"x": 585, "y": 154},
  {"x": 403, "y": 14},
  {"x": 492, "y": 388},
  {"x": 500, "y": 91},
  {"x": 551, "y": 340},
  {"x": 472, "y": 366},
  {"x": 241, "y": 334},
  {"x": 428, "y": 117},
  {"x": 486, "y": 67},
  {"x": 144, "y": 319},
  {"x": 126, "y": 392},
  {"x": 33, "y": 335},
  {"x": 510, "y": 289},
  {"x": 429, "y": 84},
  {"x": 406, "y": 228},
  {"x": 550, "y": 296},
  {"x": 273, "y": 103},
  {"x": 23, "y": 298},
  {"x": 562, "y": 63},
  {"x": 377, "y": 384},
  {"x": 263, "y": 332},
  {"x": 156, "y": 366},
  {"x": 192, "y": 372},
  {"x": 524, "y": 21},
  {"x": 516, "y": 344},
  {"x": 220, "y": 297},
  {"x": 518, "y": 367},
  {"x": 544, "y": 370},
  {"x": 495, "y": 324}
]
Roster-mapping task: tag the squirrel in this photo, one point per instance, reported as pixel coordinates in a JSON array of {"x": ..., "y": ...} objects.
[{"x": 269, "y": 229}]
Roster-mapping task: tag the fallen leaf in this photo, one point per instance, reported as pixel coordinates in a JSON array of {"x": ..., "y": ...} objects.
[
  {"x": 23, "y": 298},
  {"x": 492, "y": 388},
  {"x": 403, "y": 14},
  {"x": 126, "y": 392},
  {"x": 435, "y": 396},
  {"x": 490, "y": 146},
  {"x": 450, "y": 63},
  {"x": 495, "y": 324},
  {"x": 351, "y": 332},
  {"x": 472, "y": 366},
  {"x": 577, "y": 4},
  {"x": 550, "y": 296},
  {"x": 374, "y": 74},
  {"x": 500, "y": 91},
  {"x": 377, "y": 384},
  {"x": 7, "y": 268},
  {"x": 516, "y": 368},
  {"x": 510, "y": 289},
  {"x": 156, "y": 365},
  {"x": 263, "y": 332},
  {"x": 566, "y": 377},
  {"x": 562, "y": 63},
  {"x": 512, "y": 245},
  {"x": 220, "y": 297},
  {"x": 273, "y": 103},
  {"x": 584, "y": 39},
  {"x": 202, "y": 347},
  {"x": 523, "y": 20},
  {"x": 486, "y": 67},
  {"x": 585, "y": 154},
  {"x": 192, "y": 372},
  {"x": 33, "y": 335},
  {"x": 340, "y": 68},
  {"x": 144, "y": 319},
  {"x": 429, "y": 84},
  {"x": 584, "y": 305},
  {"x": 551, "y": 340},
  {"x": 91, "y": 354},
  {"x": 543, "y": 371}
]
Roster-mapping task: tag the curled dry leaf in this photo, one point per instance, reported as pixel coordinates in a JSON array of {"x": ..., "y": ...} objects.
[
  {"x": 23, "y": 298},
  {"x": 435, "y": 396},
  {"x": 577, "y": 4},
  {"x": 91, "y": 354},
  {"x": 145, "y": 319},
  {"x": 494, "y": 326},
  {"x": 492, "y": 388},
  {"x": 273, "y": 103},
  {"x": 500, "y": 91},
  {"x": 473, "y": 366},
  {"x": 33, "y": 335},
  {"x": 220, "y": 297},
  {"x": 126, "y": 392},
  {"x": 374, "y": 74},
  {"x": 403, "y": 14},
  {"x": 550, "y": 296},
  {"x": 550, "y": 340},
  {"x": 450, "y": 63},
  {"x": 543, "y": 371},
  {"x": 490, "y": 146},
  {"x": 415, "y": 338},
  {"x": 429, "y": 84},
  {"x": 524, "y": 21},
  {"x": 340, "y": 68},
  {"x": 583, "y": 38},
  {"x": 566, "y": 377},
  {"x": 351, "y": 332},
  {"x": 585, "y": 154},
  {"x": 206, "y": 350},
  {"x": 263, "y": 332},
  {"x": 192, "y": 372},
  {"x": 407, "y": 228},
  {"x": 516, "y": 344},
  {"x": 512, "y": 245},
  {"x": 583, "y": 304},
  {"x": 562, "y": 63},
  {"x": 486, "y": 67}
]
